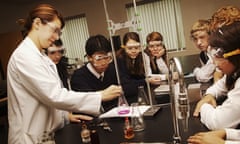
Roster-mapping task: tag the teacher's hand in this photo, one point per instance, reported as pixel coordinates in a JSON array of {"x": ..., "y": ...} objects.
[
  {"x": 78, "y": 117},
  {"x": 111, "y": 92}
]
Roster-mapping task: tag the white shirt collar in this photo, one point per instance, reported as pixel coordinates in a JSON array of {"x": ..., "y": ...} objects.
[{"x": 93, "y": 71}]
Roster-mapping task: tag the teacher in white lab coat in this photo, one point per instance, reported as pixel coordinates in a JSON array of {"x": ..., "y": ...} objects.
[{"x": 37, "y": 104}]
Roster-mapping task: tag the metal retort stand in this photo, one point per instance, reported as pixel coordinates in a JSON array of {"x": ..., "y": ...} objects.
[{"x": 135, "y": 24}]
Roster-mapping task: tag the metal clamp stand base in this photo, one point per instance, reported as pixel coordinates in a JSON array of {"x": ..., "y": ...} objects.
[{"x": 152, "y": 111}]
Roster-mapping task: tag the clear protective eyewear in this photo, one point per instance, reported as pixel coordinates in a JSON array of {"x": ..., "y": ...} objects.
[
  {"x": 99, "y": 59},
  {"x": 155, "y": 44},
  {"x": 220, "y": 53},
  {"x": 54, "y": 29},
  {"x": 132, "y": 46},
  {"x": 62, "y": 52}
]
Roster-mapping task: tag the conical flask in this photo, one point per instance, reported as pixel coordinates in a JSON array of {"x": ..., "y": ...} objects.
[
  {"x": 123, "y": 107},
  {"x": 142, "y": 96}
]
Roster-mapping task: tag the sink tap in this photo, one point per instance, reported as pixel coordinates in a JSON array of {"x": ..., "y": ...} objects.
[{"x": 179, "y": 98}]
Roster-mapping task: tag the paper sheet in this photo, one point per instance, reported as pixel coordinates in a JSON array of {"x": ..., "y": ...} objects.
[
  {"x": 114, "y": 112},
  {"x": 162, "y": 89}
]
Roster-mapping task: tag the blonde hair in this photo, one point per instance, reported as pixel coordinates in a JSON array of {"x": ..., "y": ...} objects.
[{"x": 200, "y": 25}]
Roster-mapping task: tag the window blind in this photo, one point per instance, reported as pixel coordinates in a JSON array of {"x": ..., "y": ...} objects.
[
  {"x": 74, "y": 37},
  {"x": 162, "y": 16}
]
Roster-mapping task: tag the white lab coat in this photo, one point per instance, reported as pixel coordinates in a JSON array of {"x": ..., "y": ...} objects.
[
  {"x": 36, "y": 99},
  {"x": 226, "y": 115},
  {"x": 232, "y": 136}
]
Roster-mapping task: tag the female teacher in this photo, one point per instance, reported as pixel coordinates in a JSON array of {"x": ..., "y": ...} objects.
[{"x": 37, "y": 104}]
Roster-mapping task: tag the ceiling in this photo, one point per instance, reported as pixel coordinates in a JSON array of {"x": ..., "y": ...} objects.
[{"x": 17, "y": 2}]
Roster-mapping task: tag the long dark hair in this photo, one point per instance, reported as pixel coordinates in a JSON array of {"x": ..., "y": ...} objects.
[
  {"x": 136, "y": 68},
  {"x": 228, "y": 38}
]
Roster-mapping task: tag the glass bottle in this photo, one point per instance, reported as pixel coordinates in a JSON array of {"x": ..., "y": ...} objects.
[
  {"x": 128, "y": 130},
  {"x": 94, "y": 137},
  {"x": 85, "y": 134},
  {"x": 142, "y": 96},
  {"x": 137, "y": 120}
]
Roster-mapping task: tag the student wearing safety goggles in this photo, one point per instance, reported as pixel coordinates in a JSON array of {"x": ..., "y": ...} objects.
[
  {"x": 226, "y": 57},
  {"x": 56, "y": 53},
  {"x": 156, "y": 58},
  {"x": 131, "y": 66},
  {"x": 200, "y": 33},
  {"x": 99, "y": 72}
]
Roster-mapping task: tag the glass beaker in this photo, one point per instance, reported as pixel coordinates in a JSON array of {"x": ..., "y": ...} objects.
[{"x": 137, "y": 118}]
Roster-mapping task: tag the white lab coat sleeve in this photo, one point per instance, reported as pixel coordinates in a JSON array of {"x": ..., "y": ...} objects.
[
  {"x": 218, "y": 88},
  {"x": 233, "y": 134},
  {"x": 232, "y": 142},
  {"x": 205, "y": 73},
  {"x": 44, "y": 85},
  {"x": 226, "y": 115}
]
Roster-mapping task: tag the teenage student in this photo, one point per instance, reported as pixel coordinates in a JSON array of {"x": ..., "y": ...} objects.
[
  {"x": 56, "y": 53},
  {"x": 99, "y": 72},
  {"x": 156, "y": 57},
  {"x": 226, "y": 56},
  {"x": 208, "y": 72}
]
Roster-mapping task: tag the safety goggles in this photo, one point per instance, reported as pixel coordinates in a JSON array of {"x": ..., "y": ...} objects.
[
  {"x": 99, "y": 58},
  {"x": 54, "y": 51},
  {"x": 220, "y": 53},
  {"x": 132, "y": 46},
  {"x": 155, "y": 44},
  {"x": 53, "y": 27}
]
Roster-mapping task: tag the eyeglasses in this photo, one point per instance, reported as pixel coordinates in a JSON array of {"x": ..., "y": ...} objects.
[
  {"x": 55, "y": 29},
  {"x": 62, "y": 52}
]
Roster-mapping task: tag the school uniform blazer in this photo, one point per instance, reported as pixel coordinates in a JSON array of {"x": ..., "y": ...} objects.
[
  {"x": 84, "y": 80},
  {"x": 35, "y": 98}
]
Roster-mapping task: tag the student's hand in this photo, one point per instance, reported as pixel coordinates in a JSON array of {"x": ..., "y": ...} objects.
[
  {"x": 217, "y": 75},
  {"x": 213, "y": 137},
  {"x": 78, "y": 117},
  {"x": 111, "y": 92},
  {"x": 206, "y": 99},
  {"x": 154, "y": 80}
]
